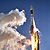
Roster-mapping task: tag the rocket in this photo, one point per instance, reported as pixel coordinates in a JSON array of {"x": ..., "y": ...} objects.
[
  {"x": 32, "y": 27},
  {"x": 35, "y": 35}
]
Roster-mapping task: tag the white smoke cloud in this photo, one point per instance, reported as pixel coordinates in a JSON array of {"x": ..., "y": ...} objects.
[
  {"x": 14, "y": 17},
  {"x": 8, "y": 34}
]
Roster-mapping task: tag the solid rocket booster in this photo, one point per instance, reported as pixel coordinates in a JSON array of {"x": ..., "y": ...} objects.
[
  {"x": 32, "y": 27},
  {"x": 37, "y": 41}
]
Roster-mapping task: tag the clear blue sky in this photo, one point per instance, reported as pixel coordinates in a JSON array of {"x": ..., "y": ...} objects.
[{"x": 41, "y": 14}]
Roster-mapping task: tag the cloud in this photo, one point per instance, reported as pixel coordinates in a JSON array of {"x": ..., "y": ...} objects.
[
  {"x": 8, "y": 34},
  {"x": 14, "y": 17}
]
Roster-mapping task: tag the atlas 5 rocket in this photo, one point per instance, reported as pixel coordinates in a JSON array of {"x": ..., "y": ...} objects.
[
  {"x": 36, "y": 36},
  {"x": 32, "y": 27}
]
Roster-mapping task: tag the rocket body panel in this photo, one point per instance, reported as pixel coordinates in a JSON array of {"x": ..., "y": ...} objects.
[{"x": 32, "y": 30}]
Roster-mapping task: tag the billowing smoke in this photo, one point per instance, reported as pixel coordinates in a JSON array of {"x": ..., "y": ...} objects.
[
  {"x": 14, "y": 17},
  {"x": 10, "y": 39}
]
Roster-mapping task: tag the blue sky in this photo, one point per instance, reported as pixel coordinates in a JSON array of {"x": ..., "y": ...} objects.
[{"x": 41, "y": 14}]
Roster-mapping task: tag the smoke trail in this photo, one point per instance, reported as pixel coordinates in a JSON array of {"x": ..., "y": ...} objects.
[{"x": 8, "y": 34}]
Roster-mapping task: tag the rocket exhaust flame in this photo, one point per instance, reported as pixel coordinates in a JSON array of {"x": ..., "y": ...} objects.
[
  {"x": 35, "y": 42},
  {"x": 32, "y": 37}
]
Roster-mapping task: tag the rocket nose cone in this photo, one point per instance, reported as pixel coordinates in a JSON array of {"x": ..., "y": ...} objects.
[{"x": 31, "y": 8}]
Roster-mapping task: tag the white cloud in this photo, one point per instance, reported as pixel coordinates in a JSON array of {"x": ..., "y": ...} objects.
[
  {"x": 8, "y": 34},
  {"x": 15, "y": 17}
]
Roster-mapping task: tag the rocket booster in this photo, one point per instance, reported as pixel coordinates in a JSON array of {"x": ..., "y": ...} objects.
[
  {"x": 37, "y": 41},
  {"x": 32, "y": 27}
]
